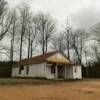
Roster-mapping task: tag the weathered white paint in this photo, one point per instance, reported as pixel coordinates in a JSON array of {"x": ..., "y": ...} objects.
[
  {"x": 40, "y": 70},
  {"x": 78, "y": 73},
  {"x": 43, "y": 71},
  {"x": 15, "y": 71},
  {"x": 69, "y": 72},
  {"x": 35, "y": 70},
  {"x": 49, "y": 75}
]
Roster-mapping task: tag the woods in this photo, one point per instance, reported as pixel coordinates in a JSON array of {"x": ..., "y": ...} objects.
[{"x": 29, "y": 34}]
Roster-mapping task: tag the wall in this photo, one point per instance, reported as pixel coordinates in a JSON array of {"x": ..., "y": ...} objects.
[
  {"x": 35, "y": 70},
  {"x": 15, "y": 71},
  {"x": 69, "y": 72},
  {"x": 49, "y": 75},
  {"x": 78, "y": 73},
  {"x": 40, "y": 70}
]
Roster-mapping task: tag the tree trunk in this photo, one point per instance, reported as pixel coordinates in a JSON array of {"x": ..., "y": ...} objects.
[
  {"x": 29, "y": 45},
  {"x": 21, "y": 41},
  {"x": 21, "y": 47},
  {"x": 79, "y": 59},
  {"x": 13, "y": 39},
  {"x": 43, "y": 42},
  {"x": 46, "y": 45},
  {"x": 11, "y": 52},
  {"x": 68, "y": 48},
  {"x": 31, "y": 49}
]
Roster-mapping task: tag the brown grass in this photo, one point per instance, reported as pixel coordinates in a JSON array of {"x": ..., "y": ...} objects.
[{"x": 28, "y": 89}]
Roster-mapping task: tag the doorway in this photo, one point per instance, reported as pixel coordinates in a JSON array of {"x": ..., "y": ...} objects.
[{"x": 61, "y": 71}]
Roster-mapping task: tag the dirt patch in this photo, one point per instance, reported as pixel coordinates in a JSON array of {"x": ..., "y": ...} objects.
[
  {"x": 80, "y": 90},
  {"x": 84, "y": 91}
]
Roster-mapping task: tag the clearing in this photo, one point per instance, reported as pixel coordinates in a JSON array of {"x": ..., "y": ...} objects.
[{"x": 31, "y": 89}]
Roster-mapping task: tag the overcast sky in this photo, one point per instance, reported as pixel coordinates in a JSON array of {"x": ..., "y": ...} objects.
[{"x": 82, "y": 13}]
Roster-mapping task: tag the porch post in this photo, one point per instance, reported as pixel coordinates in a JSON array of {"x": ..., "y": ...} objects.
[
  {"x": 65, "y": 72},
  {"x": 56, "y": 71}
]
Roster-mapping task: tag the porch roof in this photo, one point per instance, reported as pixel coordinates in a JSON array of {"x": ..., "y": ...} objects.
[{"x": 59, "y": 60}]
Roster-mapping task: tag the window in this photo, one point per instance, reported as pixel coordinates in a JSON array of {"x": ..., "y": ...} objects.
[
  {"x": 27, "y": 69},
  {"x": 75, "y": 70},
  {"x": 20, "y": 69},
  {"x": 53, "y": 69}
]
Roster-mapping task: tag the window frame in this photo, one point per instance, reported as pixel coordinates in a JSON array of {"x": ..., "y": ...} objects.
[{"x": 20, "y": 69}]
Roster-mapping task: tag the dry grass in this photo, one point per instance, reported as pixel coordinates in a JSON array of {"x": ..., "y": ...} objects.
[{"x": 28, "y": 89}]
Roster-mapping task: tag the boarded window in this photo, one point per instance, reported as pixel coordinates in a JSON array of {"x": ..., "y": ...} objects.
[
  {"x": 20, "y": 69},
  {"x": 27, "y": 69}
]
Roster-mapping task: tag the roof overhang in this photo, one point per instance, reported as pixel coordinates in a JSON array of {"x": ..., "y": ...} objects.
[{"x": 59, "y": 61}]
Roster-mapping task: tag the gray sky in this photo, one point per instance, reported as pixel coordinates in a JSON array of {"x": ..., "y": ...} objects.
[{"x": 82, "y": 13}]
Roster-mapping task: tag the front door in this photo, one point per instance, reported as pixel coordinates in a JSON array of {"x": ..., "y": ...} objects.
[{"x": 60, "y": 71}]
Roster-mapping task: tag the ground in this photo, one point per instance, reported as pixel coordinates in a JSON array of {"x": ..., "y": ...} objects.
[{"x": 29, "y": 89}]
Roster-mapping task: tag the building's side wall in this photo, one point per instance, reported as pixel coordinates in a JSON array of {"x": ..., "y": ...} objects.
[
  {"x": 38, "y": 70},
  {"x": 15, "y": 71},
  {"x": 49, "y": 75},
  {"x": 77, "y": 72},
  {"x": 35, "y": 70},
  {"x": 69, "y": 72}
]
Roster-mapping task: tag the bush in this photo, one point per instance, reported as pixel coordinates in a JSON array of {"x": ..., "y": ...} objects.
[
  {"x": 93, "y": 71},
  {"x": 5, "y": 69}
]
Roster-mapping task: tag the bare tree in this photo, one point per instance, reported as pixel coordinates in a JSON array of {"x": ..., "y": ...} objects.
[
  {"x": 2, "y": 6},
  {"x": 5, "y": 23},
  {"x": 95, "y": 30},
  {"x": 58, "y": 43},
  {"x": 78, "y": 42},
  {"x": 95, "y": 36},
  {"x": 13, "y": 30},
  {"x": 67, "y": 33},
  {"x": 46, "y": 27},
  {"x": 34, "y": 34},
  {"x": 96, "y": 52},
  {"x": 24, "y": 13},
  {"x": 5, "y": 19}
]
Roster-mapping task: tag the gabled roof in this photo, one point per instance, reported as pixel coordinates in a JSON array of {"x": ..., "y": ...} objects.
[{"x": 41, "y": 58}]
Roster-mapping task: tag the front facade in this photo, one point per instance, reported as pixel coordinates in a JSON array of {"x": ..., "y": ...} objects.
[{"x": 50, "y": 66}]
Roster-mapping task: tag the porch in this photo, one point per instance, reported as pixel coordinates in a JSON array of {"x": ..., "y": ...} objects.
[{"x": 61, "y": 71}]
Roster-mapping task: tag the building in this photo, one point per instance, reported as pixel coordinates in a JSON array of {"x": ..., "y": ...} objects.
[{"x": 53, "y": 65}]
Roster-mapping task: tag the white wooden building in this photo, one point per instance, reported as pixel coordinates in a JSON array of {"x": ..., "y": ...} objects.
[{"x": 53, "y": 65}]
